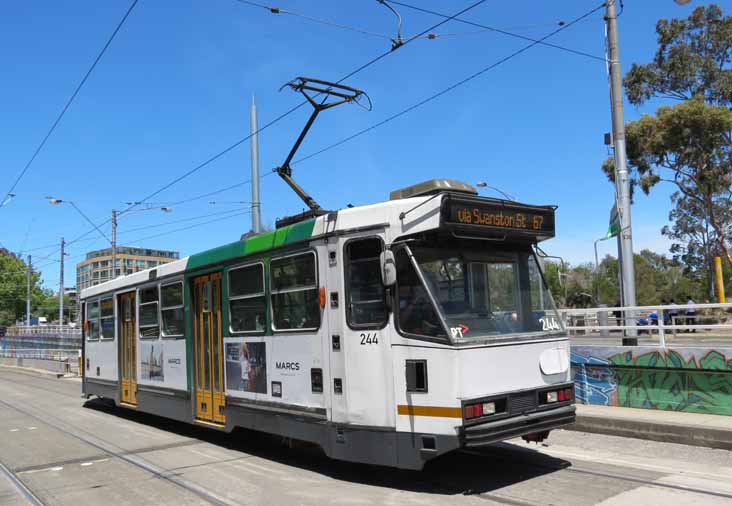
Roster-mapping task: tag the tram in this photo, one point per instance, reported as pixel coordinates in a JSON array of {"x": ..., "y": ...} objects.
[{"x": 388, "y": 334}]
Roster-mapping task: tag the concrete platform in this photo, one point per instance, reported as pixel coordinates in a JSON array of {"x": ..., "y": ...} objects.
[{"x": 710, "y": 431}]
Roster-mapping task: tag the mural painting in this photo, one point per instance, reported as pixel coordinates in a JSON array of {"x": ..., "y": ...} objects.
[{"x": 683, "y": 379}]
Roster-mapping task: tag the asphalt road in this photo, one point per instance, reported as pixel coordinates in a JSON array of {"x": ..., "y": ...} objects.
[{"x": 58, "y": 449}]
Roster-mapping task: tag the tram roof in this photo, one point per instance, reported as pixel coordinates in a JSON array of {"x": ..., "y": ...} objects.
[{"x": 397, "y": 218}]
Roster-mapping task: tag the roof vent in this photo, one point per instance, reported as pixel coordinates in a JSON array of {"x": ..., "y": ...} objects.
[{"x": 433, "y": 186}]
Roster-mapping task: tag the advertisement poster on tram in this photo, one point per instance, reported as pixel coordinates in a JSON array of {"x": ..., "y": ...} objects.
[
  {"x": 151, "y": 355},
  {"x": 246, "y": 367}
]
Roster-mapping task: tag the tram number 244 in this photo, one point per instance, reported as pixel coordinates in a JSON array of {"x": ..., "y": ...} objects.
[{"x": 369, "y": 338}]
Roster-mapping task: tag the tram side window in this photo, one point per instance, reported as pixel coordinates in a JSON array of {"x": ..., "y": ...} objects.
[
  {"x": 92, "y": 320},
  {"x": 107, "y": 318},
  {"x": 364, "y": 289},
  {"x": 247, "y": 302},
  {"x": 294, "y": 292},
  {"x": 171, "y": 309},
  {"x": 149, "y": 327},
  {"x": 417, "y": 315}
]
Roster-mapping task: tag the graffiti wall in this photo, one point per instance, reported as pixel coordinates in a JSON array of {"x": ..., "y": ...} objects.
[{"x": 697, "y": 380}]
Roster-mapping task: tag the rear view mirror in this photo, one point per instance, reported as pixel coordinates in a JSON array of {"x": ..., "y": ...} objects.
[{"x": 388, "y": 268}]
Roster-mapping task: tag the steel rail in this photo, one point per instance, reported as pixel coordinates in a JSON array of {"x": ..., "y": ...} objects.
[
  {"x": 20, "y": 486},
  {"x": 131, "y": 459},
  {"x": 592, "y": 472}
]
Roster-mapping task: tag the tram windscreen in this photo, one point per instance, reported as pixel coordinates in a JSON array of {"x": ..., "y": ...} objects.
[{"x": 483, "y": 293}]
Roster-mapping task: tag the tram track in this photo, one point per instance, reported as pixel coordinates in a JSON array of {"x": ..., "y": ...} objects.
[
  {"x": 522, "y": 457},
  {"x": 20, "y": 486},
  {"x": 105, "y": 447},
  {"x": 574, "y": 468},
  {"x": 40, "y": 378}
]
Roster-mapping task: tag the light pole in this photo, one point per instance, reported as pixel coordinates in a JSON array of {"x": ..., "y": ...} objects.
[
  {"x": 61, "y": 285},
  {"x": 28, "y": 294},
  {"x": 115, "y": 215},
  {"x": 483, "y": 184},
  {"x": 622, "y": 181}
]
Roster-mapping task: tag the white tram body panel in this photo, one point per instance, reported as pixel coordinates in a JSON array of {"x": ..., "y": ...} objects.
[{"x": 462, "y": 349}]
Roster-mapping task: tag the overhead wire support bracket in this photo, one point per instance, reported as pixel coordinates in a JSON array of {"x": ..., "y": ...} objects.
[
  {"x": 311, "y": 89},
  {"x": 396, "y": 42}
]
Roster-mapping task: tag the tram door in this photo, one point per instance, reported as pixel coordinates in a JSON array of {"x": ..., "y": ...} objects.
[
  {"x": 208, "y": 348},
  {"x": 127, "y": 348}
]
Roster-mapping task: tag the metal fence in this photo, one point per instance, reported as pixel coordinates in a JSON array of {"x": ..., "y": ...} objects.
[
  {"x": 658, "y": 321},
  {"x": 64, "y": 331},
  {"x": 41, "y": 354}
]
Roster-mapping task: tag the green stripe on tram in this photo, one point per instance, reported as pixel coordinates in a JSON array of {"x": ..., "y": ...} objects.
[{"x": 285, "y": 235}]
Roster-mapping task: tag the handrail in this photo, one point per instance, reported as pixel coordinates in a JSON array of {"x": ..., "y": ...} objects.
[{"x": 635, "y": 313}]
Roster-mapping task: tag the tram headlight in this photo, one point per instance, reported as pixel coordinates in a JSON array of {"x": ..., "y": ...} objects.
[{"x": 489, "y": 408}]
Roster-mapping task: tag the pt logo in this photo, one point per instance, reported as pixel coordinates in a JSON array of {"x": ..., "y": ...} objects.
[{"x": 459, "y": 331}]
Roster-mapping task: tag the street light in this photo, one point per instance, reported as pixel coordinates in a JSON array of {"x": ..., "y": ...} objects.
[
  {"x": 116, "y": 215},
  {"x": 483, "y": 184},
  {"x": 113, "y": 241},
  {"x": 7, "y": 199},
  {"x": 55, "y": 201}
]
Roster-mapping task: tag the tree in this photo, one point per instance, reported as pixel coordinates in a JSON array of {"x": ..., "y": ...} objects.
[
  {"x": 657, "y": 277},
  {"x": 13, "y": 286},
  {"x": 694, "y": 241},
  {"x": 688, "y": 144},
  {"x": 692, "y": 60},
  {"x": 48, "y": 307}
]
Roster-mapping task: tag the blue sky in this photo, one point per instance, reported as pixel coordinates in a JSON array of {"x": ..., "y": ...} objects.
[{"x": 175, "y": 85}]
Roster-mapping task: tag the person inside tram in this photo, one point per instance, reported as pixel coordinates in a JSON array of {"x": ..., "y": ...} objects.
[{"x": 416, "y": 314}]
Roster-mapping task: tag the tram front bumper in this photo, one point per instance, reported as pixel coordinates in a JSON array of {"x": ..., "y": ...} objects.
[{"x": 515, "y": 426}]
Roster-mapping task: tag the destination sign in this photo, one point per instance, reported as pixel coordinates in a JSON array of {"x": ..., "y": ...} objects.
[{"x": 497, "y": 215}]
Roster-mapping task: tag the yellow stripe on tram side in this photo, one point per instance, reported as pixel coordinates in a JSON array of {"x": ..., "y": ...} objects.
[{"x": 438, "y": 411}]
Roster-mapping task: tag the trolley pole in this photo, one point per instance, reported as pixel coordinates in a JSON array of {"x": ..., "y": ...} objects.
[
  {"x": 61, "y": 287},
  {"x": 114, "y": 244},
  {"x": 256, "y": 219},
  {"x": 622, "y": 182},
  {"x": 28, "y": 295}
]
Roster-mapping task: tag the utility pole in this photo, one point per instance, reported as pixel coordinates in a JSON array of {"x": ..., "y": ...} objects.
[
  {"x": 256, "y": 219},
  {"x": 114, "y": 244},
  {"x": 28, "y": 295},
  {"x": 61, "y": 287},
  {"x": 622, "y": 182}
]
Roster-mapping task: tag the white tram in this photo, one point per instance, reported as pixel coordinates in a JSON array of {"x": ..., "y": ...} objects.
[{"x": 388, "y": 334}]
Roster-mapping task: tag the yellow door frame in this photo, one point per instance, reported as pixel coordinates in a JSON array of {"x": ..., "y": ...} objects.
[
  {"x": 127, "y": 348},
  {"x": 208, "y": 348}
]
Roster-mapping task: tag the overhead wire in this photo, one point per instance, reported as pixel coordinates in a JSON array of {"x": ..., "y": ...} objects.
[
  {"x": 448, "y": 89},
  {"x": 279, "y": 118},
  {"x": 282, "y": 116},
  {"x": 501, "y": 31},
  {"x": 293, "y": 109},
  {"x": 72, "y": 98},
  {"x": 279, "y": 10}
]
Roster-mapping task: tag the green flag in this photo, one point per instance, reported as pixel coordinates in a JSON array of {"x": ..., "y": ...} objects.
[{"x": 613, "y": 228}]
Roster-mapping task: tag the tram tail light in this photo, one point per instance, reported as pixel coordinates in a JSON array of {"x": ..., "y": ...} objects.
[
  {"x": 563, "y": 395},
  {"x": 480, "y": 409},
  {"x": 473, "y": 411}
]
